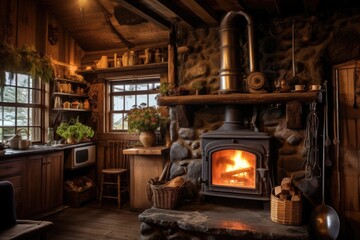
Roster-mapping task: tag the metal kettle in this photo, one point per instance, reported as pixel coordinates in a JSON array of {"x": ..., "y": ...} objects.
[{"x": 14, "y": 141}]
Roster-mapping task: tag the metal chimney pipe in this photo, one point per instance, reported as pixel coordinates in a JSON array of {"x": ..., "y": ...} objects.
[{"x": 230, "y": 75}]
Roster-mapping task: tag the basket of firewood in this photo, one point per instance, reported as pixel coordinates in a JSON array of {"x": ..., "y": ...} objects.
[
  {"x": 286, "y": 204},
  {"x": 166, "y": 195}
]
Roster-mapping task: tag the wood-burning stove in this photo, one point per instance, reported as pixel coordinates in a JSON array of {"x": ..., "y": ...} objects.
[{"x": 237, "y": 164}]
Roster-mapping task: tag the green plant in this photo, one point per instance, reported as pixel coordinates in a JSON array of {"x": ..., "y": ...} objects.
[
  {"x": 74, "y": 129},
  {"x": 24, "y": 60},
  {"x": 143, "y": 118},
  {"x": 166, "y": 89}
]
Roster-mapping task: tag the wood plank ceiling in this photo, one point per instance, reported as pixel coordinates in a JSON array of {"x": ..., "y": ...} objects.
[{"x": 100, "y": 25}]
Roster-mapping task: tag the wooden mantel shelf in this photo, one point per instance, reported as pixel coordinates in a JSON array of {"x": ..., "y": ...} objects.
[
  {"x": 152, "y": 68},
  {"x": 239, "y": 98}
]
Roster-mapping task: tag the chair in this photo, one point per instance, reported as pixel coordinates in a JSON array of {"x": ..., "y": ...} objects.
[
  {"x": 116, "y": 171},
  {"x": 10, "y": 227}
]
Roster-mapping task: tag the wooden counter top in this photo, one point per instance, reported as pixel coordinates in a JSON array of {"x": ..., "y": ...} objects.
[{"x": 158, "y": 150}]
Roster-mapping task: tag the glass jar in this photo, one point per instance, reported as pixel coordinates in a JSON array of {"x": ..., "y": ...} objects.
[{"x": 50, "y": 136}]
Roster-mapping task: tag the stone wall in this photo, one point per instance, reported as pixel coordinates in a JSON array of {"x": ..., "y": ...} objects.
[{"x": 320, "y": 42}]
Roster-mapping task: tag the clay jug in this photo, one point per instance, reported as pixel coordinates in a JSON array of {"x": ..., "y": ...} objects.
[{"x": 147, "y": 138}]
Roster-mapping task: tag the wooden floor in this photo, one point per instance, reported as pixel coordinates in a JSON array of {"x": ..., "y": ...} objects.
[{"x": 94, "y": 222}]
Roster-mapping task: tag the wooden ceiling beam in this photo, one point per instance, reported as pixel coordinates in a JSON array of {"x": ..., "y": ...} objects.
[
  {"x": 145, "y": 12},
  {"x": 203, "y": 10},
  {"x": 187, "y": 16}
]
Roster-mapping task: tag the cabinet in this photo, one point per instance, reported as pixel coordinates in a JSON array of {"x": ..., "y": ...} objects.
[
  {"x": 152, "y": 159},
  {"x": 12, "y": 171},
  {"x": 43, "y": 183},
  {"x": 70, "y": 95}
]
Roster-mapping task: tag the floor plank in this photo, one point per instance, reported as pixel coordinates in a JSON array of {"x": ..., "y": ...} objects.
[{"x": 94, "y": 222}]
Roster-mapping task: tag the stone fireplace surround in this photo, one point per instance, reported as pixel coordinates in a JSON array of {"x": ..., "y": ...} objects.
[{"x": 334, "y": 34}]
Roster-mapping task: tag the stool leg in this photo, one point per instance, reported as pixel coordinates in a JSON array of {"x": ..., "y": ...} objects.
[
  {"x": 118, "y": 189},
  {"x": 101, "y": 188}
]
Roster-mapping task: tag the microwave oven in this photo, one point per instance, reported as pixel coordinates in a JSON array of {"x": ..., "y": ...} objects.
[{"x": 80, "y": 157}]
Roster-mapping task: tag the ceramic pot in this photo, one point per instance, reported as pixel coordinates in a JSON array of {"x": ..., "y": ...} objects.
[
  {"x": 70, "y": 140},
  {"x": 147, "y": 138}
]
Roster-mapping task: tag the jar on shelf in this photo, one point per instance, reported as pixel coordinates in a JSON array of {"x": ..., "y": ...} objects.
[
  {"x": 86, "y": 104},
  {"x": 133, "y": 58}
]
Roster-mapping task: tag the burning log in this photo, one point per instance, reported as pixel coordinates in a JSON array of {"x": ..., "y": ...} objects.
[{"x": 231, "y": 174}]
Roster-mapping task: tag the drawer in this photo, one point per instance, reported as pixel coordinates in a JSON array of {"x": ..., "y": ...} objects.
[{"x": 10, "y": 169}]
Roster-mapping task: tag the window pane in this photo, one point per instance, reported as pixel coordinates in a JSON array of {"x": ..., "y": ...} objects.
[
  {"x": 118, "y": 121},
  {"x": 8, "y": 133},
  {"x": 118, "y": 102},
  {"x": 129, "y": 102},
  {"x": 119, "y": 88},
  {"x": 35, "y": 96},
  {"x": 130, "y": 87},
  {"x": 141, "y": 99},
  {"x": 9, "y": 94},
  {"x": 22, "y": 95},
  {"x": 35, "y": 134},
  {"x": 22, "y": 116},
  {"x": 141, "y": 87},
  {"x": 35, "y": 83},
  {"x": 34, "y": 116},
  {"x": 152, "y": 100},
  {"x": 9, "y": 116},
  {"x": 10, "y": 79},
  {"x": 23, "y": 80}
]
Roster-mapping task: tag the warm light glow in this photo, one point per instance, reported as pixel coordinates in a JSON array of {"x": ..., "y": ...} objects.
[{"x": 234, "y": 168}]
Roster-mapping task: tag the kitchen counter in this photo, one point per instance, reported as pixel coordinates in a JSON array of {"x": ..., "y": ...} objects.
[{"x": 43, "y": 148}]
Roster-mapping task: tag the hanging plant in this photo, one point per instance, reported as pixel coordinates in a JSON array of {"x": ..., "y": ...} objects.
[{"x": 24, "y": 60}]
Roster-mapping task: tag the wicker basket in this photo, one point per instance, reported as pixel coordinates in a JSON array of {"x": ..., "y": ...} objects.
[
  {"x": 164, "y": 196},
  {"x": 285, "y": 211}
]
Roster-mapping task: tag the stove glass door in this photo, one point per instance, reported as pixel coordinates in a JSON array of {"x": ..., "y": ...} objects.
[{"x": 233, "y": 168}]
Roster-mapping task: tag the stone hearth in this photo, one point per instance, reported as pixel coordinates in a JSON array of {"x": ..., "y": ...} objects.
[{"x": 212, "y": 221}]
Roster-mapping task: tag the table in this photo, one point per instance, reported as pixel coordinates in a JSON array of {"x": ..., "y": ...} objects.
[{"x": 145, "y": 163}]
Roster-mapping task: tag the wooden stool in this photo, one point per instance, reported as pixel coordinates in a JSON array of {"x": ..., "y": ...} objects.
[{"x": 112, "y": 171}]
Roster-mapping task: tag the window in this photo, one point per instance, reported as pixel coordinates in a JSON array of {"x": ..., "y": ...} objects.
[
  {"x": 21, "y": 104},
  {"x": 126, "y": 93}
]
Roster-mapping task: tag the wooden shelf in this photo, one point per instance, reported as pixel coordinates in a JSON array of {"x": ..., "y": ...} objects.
[
  {"x": 151, "y": 68},
  {"x": 239, "y": 98},
  {"x": 69, "y": 95},
  {"x": 71, "y": 110},
  {"x": 70, "y": 81}
]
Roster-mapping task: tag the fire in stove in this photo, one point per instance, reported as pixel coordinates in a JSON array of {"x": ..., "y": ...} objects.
[{"x": 234, "y": 168}]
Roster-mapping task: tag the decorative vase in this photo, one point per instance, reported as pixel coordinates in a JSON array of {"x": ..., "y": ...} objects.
[{"x": 147, "y": 138}]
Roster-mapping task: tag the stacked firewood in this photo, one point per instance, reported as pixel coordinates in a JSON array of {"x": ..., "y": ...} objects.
[{"x": 287, "y": 190}]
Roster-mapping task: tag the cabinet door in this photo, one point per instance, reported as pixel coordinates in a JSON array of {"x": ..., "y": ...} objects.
[
  {"x": 12, "y": 171},
  {"x": 54, "y": 179},
  {"x": 34, "y": 185}
]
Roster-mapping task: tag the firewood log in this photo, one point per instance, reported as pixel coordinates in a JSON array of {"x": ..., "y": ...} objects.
[{"x": 286, "y": 184}]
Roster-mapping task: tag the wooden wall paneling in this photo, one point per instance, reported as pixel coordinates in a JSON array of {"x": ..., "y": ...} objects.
[
  {"x": 351, "y": 190},
  {"x": 26, "y": 25},
  {"x": 8, "y": 20},
  {"x": 53, "y": 50},
  {"x": 41, "y": 29},
  {"x": 349, "y": 153}
]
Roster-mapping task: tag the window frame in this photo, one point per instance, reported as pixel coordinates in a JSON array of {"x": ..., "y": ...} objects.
[
  {"x": 39, "y": 118},
  {"x": 154, "y": 78}
]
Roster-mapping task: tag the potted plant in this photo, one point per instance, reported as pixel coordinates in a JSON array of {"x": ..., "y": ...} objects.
[
  {"x": 145, "y": 120},
  {"x": 74, "y": 131}
]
